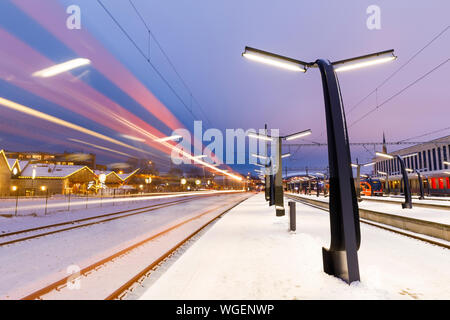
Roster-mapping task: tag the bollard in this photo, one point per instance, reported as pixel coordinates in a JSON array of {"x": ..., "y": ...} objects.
[{"x": 292, "y": 222}]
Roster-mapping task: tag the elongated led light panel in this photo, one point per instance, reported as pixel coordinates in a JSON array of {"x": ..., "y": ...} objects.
[
  {"x": 274, "y": 59},
  {"x": 384, "y": 155},
  {"x": 259, "y": 136},
  {"x": 364, "y": 61},
  {"x": 298, "y": 135}
]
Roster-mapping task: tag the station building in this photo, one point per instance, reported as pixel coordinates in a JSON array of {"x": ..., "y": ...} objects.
[{"x": 428, "y": 158}]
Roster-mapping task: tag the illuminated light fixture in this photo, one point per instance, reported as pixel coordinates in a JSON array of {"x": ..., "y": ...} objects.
[
  {"x": 132, "y": 138},
  {"x": 382, "y": 172},
  {"x": 15, "y": 171},
  {"x": 384, "y": 155},
  {"x": 171, "y": 138},
  {"x": 354, "y": 165},
  {"x": 62, "y": 67},
  {"x": 43, "y": 188},
  {"x": 285, "y": 155},
  {"x": 274, "y": 59},
  {"x": 141, "y": 186},
  {"x": 33, "y": 175},
  {"x": 259, "y": 136},
  {"x": 409, "y": 155},
  {"x": 364, "y": 175},
  {"x": 259, "y": 156},
  {"x": 197, "y": 182},
  {"x": 446, "y": 163},
  {"x": 298, "y": 135},
  {"x": 183, "y": 181},
  {"x": 364, "y": 61},
  {"x": 409, "y": 170},
  {"x": 102, "y": 178},
  {"x": 369, "y": 164},
  {"x": 14, "y": 188}
]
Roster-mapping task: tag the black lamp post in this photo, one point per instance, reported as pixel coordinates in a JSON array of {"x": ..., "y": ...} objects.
[
  {"x": 341, "y": 259},
  {"x": 407, "y": 190},
  {"x": 419, "y": 178}
]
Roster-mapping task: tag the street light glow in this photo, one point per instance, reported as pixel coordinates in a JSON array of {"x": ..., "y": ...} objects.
[
  {"x": 364, "y": 61},
  {"x": 274, "y": 60},
  {"x": 298, "y": 135},
  {"x": 62, "y": 67},
  {"x": 259, "y": 136},
  {"x": 410, "y": 155},
  {"x": 384, "y": 155},
  {"x": 259, "y": 156}
]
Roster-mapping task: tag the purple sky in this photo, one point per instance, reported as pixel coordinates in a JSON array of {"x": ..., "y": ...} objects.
[{"x": 205, "y": 39}]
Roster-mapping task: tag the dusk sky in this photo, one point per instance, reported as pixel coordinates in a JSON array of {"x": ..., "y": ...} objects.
[{"x": 204, "y": 40}]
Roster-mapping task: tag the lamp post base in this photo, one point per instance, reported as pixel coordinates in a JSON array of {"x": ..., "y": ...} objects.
[
  {"x": 407, "y": 205},
  {"x": 280, "y": 212},
  {"x": 335, "y": 264}
]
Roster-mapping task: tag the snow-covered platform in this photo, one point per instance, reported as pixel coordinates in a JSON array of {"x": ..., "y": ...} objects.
[{"x": 250, "y": 254}]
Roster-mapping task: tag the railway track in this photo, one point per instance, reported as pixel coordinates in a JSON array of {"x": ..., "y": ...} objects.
[
  {"x": 378, "y": 225},
  {"x": 41, "y": 231},
  {"x": 118, "y": 291}
]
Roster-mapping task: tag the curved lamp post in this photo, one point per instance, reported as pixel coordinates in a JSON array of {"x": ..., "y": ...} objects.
[
  {"x": 341, "y": 259},
  {"x": 407, "y": 190},
  {"x": 278, "y": 177},
  {"x": 419, "y": 178},
  {"x": 358, "y": 177}
]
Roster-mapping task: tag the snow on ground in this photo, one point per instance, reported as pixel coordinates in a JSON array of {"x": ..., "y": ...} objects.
[
  {"x": 421, "y": 213},
  {"x": 32, "y": 264},
  {"x": 249, "y": 254},
  {"x": 95, "y": 207}
]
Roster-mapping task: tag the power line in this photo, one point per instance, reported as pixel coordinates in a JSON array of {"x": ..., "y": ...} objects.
[
  {"x": 398, "y": 93},
  {"x": 148, "y": 60},
  {"x": 396, "y": 71},
  {"x": 168, "y": 59},
  {"x": 425, "y": 134}
]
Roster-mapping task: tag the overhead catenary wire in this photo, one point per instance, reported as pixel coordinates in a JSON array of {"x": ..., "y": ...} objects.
[
  {"x": 146, "y": 58},
  {"x": 152, "y": 35},
  {"x": 398, "y": 93},
  {"x": 396, "y": 71}
]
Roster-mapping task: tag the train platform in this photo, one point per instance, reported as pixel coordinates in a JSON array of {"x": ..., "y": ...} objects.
[
  {"x": 394, "y": 207},
  {"x": 250, "y": 254}
]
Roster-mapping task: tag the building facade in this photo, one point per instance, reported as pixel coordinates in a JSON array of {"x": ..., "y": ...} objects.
[{"x": 428, "y": 158}]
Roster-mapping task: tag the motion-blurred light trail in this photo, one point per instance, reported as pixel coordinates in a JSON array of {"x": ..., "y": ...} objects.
[
  {"x": 105, "y": 200},
  {"x": 62, "y": 67},
  {"x": 101, "y": 147},
  {"x": 34, "y": 113}
]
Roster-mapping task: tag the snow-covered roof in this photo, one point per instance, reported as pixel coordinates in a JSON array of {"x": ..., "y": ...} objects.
[
  {"x": 51, "y": 170},
  {"x": 126, "y": 176},
  {"x": 11, "y": 162},
  {"x": 23, "y": 164}
]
